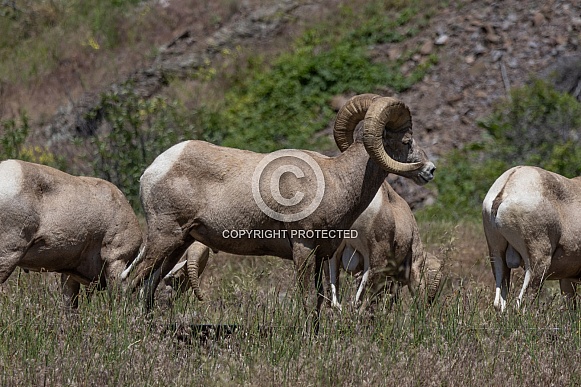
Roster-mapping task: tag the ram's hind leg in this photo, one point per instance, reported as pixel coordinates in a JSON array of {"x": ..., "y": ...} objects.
[
  {"x": 152, "y": 282},
  {"x": 497, "y": 246},
  {"x": 70, "y": 290},
  {"x": 502, "y": 278},
  {"x": 536, "y": 257},
  {"x": 13, "y": 247},
  {"x": 162, "y": 251}
]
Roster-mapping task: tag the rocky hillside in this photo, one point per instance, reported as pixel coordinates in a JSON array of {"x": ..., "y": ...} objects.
[{"x": 484, "y": 49}]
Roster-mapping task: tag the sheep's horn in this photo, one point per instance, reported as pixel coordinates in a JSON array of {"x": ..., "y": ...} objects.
[
  {"x": 393, "y": 115},
  {"x": 433, "y": 269},
  {"x": 197, "y": 253},
  {"x": 349, "y": 116},
  {"x": 434, "y": 280}
]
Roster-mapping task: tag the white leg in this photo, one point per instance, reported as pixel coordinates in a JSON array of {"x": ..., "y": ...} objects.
[
  {"x": 525, "y": 285},
  {"x": 333, "y": 277},
  {"x": 362, "y": 286},
  {"x": 501, "y": 284},
  {"x": 364, "y": 280}
]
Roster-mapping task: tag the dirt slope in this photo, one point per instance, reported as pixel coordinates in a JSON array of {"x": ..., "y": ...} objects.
[{"x": 484, "y": 49}]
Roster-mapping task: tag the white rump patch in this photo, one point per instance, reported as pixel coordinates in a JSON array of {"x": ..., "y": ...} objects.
[
  {"x": 162, "y": 164},
  {"x": 11, "y": 177}
]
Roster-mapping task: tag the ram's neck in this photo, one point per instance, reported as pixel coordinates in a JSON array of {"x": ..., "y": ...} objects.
[{"x": 355, "y": 180}]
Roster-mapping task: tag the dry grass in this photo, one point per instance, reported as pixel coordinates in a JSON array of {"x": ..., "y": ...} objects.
[
  {"x": 251, "y": 331},
  {"x": 58, "y": 61}
]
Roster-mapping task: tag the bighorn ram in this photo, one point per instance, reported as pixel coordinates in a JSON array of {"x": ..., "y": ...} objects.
[
  {"x": 388, "y": 246},
  {"x": 531, "y": 219},
  {"x": 199, "y": 191},
  {"x": 82, "y": 227}
]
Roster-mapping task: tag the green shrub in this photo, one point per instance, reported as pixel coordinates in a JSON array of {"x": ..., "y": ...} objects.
[
  {"x": 286, "y": 104},
  {"x": 13, "y": 136},
  {"x": 537, "y": 126},
  {"x": 463, "y": 178},
  {"x": 135, "y": 131}
]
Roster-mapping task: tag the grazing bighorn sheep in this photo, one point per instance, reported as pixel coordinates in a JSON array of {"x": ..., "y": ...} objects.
[
  {"x": 197, "y": 191},
  {"x": 388, "y": 246},
  {"x": 531, "y": 219},
  {"x": 187, "y": 272},
  {"x": 81, "y": 227}
]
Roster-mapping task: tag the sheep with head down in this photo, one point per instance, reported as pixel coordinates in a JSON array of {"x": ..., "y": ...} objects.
[
  {"x": 81, "y": 227},
  {"x": 388, "y": 252}
]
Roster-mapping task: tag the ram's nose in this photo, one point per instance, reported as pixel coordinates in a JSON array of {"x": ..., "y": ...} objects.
[{"x": 427, "y": 173}]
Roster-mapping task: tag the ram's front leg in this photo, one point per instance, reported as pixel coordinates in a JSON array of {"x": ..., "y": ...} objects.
[
  {"x": 308, "y": 266},
  {"x": 333, "y": 281}
]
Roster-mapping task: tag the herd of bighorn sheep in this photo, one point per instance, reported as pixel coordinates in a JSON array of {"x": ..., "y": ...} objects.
[
  {"x": 85, "y": 229},
  {"x": 387, "y": 251}
]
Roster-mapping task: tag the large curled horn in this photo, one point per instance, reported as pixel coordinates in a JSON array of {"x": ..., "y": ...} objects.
[
  {"x": 434, "y": 279},
  {"x": 393, "y": 115},
  {"x": 197, "y": 256},
  {"x": 349, "y": 116}
]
